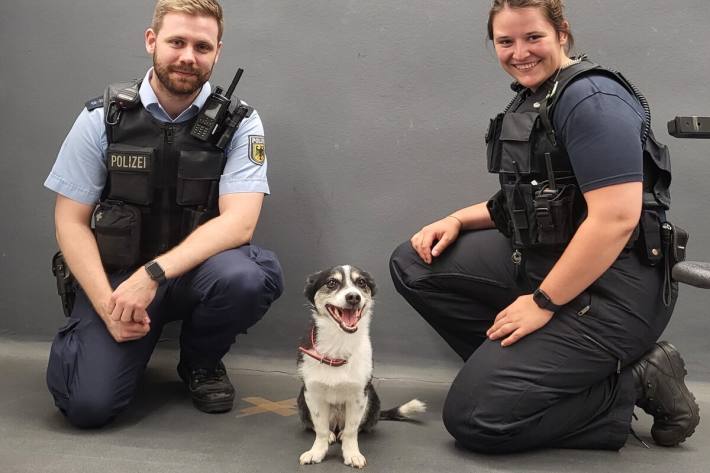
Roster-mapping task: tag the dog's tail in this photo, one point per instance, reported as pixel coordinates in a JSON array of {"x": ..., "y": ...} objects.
[{"x": 405, "y": 411}]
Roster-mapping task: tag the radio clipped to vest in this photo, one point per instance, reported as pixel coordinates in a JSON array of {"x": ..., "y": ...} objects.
[{"x": 216, "y": 123}]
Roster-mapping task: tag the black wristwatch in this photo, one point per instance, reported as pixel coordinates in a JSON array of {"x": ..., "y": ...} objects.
[
  {"x": 155, "y": 272},
  {"x": 543, "y": 301}
]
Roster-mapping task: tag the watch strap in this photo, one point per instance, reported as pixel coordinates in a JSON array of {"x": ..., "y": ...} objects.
[
  {"x": 543, "y": 301},
  {"x": 155, "y": 271}
]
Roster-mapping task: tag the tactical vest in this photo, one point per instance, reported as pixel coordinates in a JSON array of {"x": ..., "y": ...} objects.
[
  {"x": 162, "y": 182},
  {"x": 540, "y": 202}
]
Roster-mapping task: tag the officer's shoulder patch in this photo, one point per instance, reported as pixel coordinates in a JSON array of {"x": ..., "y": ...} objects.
[
  {"x": 94, "y": 103},
  {"x": 257, "y": 151}
]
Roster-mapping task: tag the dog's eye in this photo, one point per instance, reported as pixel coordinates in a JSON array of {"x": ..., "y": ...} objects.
[
  {"x": 361, "y": 283},
  {"x": 331, "y": 284}
]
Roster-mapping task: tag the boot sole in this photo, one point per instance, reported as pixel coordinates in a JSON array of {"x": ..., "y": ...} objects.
[
  {"x": 214, "y": 407},
  {"x": 678, "y": 373}
]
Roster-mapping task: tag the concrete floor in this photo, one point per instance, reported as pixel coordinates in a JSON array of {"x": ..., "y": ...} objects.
[{"x": 162, "y": 432}]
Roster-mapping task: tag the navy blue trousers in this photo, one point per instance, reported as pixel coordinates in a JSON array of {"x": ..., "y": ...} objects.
[
  {"x": 567, "y": 385},
  {"x": 93, "y": 378}
]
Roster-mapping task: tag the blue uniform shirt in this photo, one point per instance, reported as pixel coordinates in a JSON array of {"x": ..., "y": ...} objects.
[
  {"x": 79, "y": 172},
  {"x": 599, "y": 124}
]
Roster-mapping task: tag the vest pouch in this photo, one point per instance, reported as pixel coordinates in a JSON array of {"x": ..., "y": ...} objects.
[
  {"x": 657, "y": 173},
  {"x": 496, "y": 209},
  {"x": 193, "y": 218},
  {"x": 521, "y": 211},
  {"x": 117, "y": 227},
  {"x": 554, "y": 214},
  {"x": 493, "y": 143},
  {"x": 198, "y": 177},
  {"x": 515, "y": 144},
  {"x": 130, "y": 171}
]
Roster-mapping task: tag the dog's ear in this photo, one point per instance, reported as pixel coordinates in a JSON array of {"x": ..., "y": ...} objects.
[
  {"x": 313, "y": 282},
  {"x": 370, "y": 282}
]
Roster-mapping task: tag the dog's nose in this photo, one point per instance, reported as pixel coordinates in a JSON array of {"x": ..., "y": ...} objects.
[{"x": 352, "y": 298}]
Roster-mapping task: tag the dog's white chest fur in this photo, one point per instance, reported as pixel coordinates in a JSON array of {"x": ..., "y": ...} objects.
[{"x": 336, "y": 383}]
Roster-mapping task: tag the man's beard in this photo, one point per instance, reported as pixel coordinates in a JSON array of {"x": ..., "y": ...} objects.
[{"x": 183, "y": 85}]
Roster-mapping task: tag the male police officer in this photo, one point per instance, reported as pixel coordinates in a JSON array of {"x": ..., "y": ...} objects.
[{"x": 170, "y": 237}]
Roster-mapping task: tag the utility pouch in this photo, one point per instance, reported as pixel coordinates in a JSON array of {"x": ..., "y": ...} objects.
[
  {"x": 193, "y": 218},
  {"x": 496, "y": 208},
  {"x": 130, "y": 173},
  {"x": 675, "y": 240},
  {"x": 554, "y": 214},
  {"x": 493, "y": 142},
  {"x": 198, "y": 177},
  {"x": 519, "y": 200},
  {"x": 515, "y": 143},
  {"x": 650, "y": 238},
  {"x": 117, "y": 227}
]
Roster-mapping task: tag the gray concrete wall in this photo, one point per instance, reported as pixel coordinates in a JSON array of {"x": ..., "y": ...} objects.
[{"x": 374, "y": 113}]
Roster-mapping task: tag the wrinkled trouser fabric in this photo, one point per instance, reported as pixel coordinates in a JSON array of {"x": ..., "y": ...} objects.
[
  {"x": 93, "y": 378},
  {"x": 567, "y": 385}
]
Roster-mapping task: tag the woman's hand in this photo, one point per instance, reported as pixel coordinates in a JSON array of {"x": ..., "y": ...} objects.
[
  {"x": 432, "y": 240},
  {"x": 519, "y": 319}
]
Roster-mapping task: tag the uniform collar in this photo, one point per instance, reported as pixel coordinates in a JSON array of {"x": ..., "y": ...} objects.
[{"x": 150, "y": 101}]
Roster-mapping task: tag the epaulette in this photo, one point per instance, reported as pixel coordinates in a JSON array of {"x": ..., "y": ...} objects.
[{"x": 93, "y": 104}]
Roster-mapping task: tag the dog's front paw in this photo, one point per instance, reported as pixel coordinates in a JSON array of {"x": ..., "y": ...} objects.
[
  {"x": 312, "y": 456},
  {"x": 354, "y": 459}
]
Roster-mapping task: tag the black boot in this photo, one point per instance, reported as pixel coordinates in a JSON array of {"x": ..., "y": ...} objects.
[
  {"x": 210, "y": 389},
  {"x": 662, "y": 393}
]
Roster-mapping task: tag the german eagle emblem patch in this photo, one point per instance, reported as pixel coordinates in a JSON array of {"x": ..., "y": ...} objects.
[{"x": 257, "y": 152}]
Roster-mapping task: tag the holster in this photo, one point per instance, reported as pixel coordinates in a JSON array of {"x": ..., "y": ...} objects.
[
  {"x": 65, "y": 282},
  {"x": 674, "y": 240}
]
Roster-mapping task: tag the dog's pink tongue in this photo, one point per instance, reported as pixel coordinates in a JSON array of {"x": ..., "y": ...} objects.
[{"x": 349, "y": 317}]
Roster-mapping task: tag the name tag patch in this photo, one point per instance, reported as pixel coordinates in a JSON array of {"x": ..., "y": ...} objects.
[
  {"x": 257, "y": 150},
  {"x": 133, "y": 161}
]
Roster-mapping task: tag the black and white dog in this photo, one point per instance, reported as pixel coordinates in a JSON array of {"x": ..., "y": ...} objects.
[{"x": 337, "y": 399}]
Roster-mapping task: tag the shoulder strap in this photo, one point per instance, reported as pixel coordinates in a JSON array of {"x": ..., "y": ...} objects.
[
  {"x": 117, "y": 98},
  {"x": 93, "y": 104},
  {"x": 575, "y": 71}
]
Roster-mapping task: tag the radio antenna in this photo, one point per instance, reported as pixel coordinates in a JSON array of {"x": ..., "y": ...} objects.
[{"x": 234, "y": 83}]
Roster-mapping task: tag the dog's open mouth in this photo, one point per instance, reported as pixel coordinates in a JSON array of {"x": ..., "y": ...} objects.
[{"x": 346, "y": 318}]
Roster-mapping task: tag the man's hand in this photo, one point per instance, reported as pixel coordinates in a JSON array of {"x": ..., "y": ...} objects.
[
  {"x": 432, "y": 240},
  {"x": 127, "y": 331},
  {"x": 129, "y": 301},
  {"x": 519, "y": 319}
]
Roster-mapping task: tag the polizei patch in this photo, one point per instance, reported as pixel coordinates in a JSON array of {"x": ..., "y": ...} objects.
[
  {"x": 257, "y": 151},
  {"x": 128, "y": 161}
]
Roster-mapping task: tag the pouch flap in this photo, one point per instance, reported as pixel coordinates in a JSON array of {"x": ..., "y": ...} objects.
[
  {"x": 201, "y": 164},
  {"x": 518, "y": 126}
]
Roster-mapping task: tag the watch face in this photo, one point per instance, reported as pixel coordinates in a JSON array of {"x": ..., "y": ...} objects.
[{"x": 154, "y": 270}]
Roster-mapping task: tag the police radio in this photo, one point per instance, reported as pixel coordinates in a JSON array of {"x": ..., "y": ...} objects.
[{"x": 214, "y": 111}]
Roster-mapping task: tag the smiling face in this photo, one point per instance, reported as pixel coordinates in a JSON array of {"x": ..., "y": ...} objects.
[
  {"x": 342, "y": 294},
  {"x": 184, "y": 50},
  {"x": 527, "y": 45}
]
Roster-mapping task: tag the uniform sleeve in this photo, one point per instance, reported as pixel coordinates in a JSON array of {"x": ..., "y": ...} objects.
[
  {"x": 246, "y": 166},
  {"x": 79, "y": 171},
  {"x": 600, "y": 127}
]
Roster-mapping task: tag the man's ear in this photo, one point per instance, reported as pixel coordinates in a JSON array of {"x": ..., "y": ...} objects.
[
  {"x": 219, "y": 51},
  {"x": 150, "y": 40}
]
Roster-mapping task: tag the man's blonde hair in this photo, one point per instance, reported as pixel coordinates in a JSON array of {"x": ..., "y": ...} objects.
[{"x": 191, "y": 7}]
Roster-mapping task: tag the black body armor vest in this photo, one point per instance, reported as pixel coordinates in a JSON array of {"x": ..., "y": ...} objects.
[
  {"x": 162, "y": 182},
  {"x": 540, "y": 203}
]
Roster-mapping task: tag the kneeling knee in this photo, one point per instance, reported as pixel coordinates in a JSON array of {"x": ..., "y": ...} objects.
[
  {"x": 89, "y": 412},
  {"x": 476, "y": 430}
]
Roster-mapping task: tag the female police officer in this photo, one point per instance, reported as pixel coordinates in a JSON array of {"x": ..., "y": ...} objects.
[{"x": 556, "y": 312}]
